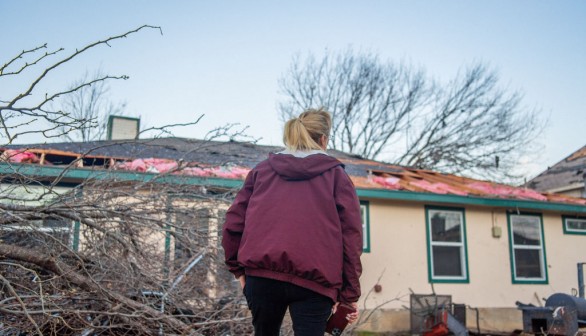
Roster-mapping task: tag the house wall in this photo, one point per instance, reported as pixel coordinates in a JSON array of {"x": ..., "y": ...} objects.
[
  {"x": 209, "y": 242},
  {"x": 398, "y": 257}
]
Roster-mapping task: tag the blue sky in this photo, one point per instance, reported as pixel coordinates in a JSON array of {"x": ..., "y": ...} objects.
[{"x": 223, "y": 58}]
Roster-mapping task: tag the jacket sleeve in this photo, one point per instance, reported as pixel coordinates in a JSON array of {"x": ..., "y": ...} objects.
[
  {"x": 349, "y": 211},
  {"x": 234, "y": 226}
]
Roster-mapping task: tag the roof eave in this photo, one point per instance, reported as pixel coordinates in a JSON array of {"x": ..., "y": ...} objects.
[
  {"x": 470, "y": 200},
  {"x": 82, "y": 174}
]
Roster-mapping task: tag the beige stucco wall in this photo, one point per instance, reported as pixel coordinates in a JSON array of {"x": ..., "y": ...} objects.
[{"x": 398, "y": 256}]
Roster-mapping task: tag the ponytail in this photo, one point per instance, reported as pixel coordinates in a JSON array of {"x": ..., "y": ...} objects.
[{"x": 303, "y": 133}]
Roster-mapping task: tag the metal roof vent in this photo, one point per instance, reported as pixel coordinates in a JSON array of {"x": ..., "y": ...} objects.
[{"x": 123, "y": 128}]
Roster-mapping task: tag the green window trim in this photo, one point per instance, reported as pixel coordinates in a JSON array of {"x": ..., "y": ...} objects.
[
  {"x": 76, "y": 225},
  {"x": 573, "y": 231},
  {"x": 529, "y": 281},
  {"x": 75, "y": 238},
  {"x": 465, "y": 278},
  {"x": 365, "y": 214}
]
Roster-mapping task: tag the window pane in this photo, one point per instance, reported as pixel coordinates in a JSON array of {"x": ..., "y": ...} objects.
[
  {"x": 446, "y": 226},
  {"x": 576, "y": 224},
  {"x": 528, "y": 263},
  {"x": 447, "y": 261},
  {"x": 30, "y": 238},
  {"x": 363, "y": 214},
  {"x": 31, "y": 195},
  {"x": 47, "y": 232},
  {"x": 526, "y": 230},
  {"x": 56, "y": 223}
]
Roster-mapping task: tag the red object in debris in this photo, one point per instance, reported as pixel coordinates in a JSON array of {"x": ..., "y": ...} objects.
[
  {"x": 439, "y": 329},
  {"x": 437, "y": 323}
]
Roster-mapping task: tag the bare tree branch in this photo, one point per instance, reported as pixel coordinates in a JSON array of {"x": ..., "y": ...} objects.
[
  {"x": 394, "y": 112},
  {"x": 88, "y": 100},
  {"x": 24, "y": 310},
  {"x": 106, "y": 256},
  {"x": 16, "y": 111}
]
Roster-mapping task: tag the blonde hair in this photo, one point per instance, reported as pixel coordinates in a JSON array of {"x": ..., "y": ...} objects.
[{"x": 303, "y": 133}]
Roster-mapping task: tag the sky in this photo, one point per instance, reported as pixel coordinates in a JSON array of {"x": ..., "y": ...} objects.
[{"x": 223, "y": 59}]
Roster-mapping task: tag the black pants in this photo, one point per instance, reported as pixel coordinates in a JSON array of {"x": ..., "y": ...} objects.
[{"x": 269, "y": 299}]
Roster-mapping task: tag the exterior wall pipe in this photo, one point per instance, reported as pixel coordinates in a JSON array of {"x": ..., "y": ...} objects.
[
  {"x": 584, "y": 180},
  {"x": 581, "y": 280}
]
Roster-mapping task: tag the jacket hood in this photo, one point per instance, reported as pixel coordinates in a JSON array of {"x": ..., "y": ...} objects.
[{"x": 290, "y": 167}]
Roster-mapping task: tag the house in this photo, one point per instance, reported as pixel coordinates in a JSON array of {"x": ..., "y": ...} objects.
[
  {"x": 566, "y": 177},
  {"x": 481, "y": 244}
]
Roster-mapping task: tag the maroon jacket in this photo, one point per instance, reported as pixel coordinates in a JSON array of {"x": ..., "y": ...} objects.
[{"x": 297, "y": 220}]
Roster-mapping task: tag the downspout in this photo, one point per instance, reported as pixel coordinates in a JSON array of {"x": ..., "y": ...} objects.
[
  {"x": 581, "y": 280},
  {"x": 584, "y": 190},
  {"x": 76, "y": 225}
]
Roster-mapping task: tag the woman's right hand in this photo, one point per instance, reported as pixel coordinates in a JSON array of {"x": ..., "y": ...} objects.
[
  {"x": 242, "y": 280},
  {"x": 353, "y": 317}
]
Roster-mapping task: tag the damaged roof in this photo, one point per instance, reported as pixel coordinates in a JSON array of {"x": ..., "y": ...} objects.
[
  {"x": 232, "y": 160},
  {"x": 189, "y": 150},
  {"x": 569, "y": 173}
]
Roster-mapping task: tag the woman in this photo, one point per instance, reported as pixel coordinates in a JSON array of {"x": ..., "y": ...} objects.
[{"x": 293, "y": 236}]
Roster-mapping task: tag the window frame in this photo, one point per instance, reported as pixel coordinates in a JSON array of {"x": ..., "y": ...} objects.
[
  {"x": 465, "y": 278},
  {"x": 365, "y": 217},
  {"x": 71, "y": 227},
  {"x": 519, "y": 280},
  {"x": 572, "y": 231},
  {"x": 39, "y": 225}
]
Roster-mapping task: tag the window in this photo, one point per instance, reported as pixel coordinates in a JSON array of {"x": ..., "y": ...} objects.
[
  {"x": 49, "y": 231},
  {"x": 574, "y": 225},
  {"x": 527, "y": 248},
  {"x": 364, "y": 212},
  {"x": 446, "y": 244}
]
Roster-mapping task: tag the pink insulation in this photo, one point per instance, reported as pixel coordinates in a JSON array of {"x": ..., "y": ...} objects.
[
  {"x": 196, "y": 171},
  {"x": 19, "y": 156},
  {"x": 149, "y": 165},
  {"x": 163, "y": 166},
  {"x": 438, "y": 187},
  {"x": 387, "y": 182},
  {"x": 228, "y": 172},
  {"x": 506, "y": 191}
]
